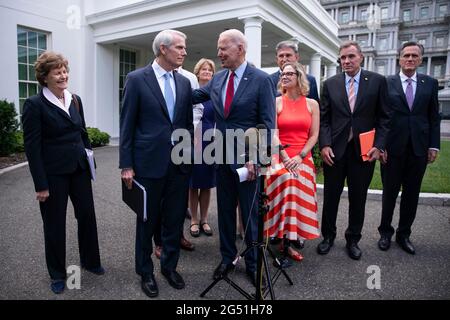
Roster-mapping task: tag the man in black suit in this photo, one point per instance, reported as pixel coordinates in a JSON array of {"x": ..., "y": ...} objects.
[
  {"x": 157, "y": 101},
  {"x": 287, "y": 51},
  {"x": 352, "y": 102},
  {"x": 413, "y": 141}
]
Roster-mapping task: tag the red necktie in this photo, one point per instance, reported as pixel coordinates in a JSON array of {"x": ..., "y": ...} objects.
[{"x": 229, "y": 95}]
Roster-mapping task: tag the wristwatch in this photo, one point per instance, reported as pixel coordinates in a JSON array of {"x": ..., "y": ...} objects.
[{"x": 303, "y": 154}]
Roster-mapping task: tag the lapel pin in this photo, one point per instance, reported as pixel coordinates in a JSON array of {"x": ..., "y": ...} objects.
[
  {"x": 245, "y": 78},
  {"x": 423, "y": 81},
  {"x": 366, "y": 79}
]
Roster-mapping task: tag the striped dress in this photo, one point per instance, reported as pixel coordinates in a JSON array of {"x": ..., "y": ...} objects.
[{"x": 292, "y": 198}]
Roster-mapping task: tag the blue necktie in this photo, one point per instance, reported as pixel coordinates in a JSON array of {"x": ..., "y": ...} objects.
[{"x": 168, "y": 95}]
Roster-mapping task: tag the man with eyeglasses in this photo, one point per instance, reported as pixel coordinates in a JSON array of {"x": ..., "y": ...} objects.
[
  {"x": 352, "y": 102},
  {"x": 287, "y": 51}
]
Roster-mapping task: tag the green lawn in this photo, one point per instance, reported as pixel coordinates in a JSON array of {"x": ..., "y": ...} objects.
[{"x": 436, "y": 179}]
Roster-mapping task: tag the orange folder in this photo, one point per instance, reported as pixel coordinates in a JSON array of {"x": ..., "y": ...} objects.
[{"x": 366, "y": 141}]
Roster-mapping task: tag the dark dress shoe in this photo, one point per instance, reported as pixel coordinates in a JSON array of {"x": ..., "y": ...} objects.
[
  {"x": 252, "y": 276},
  {"x": 186, "y": 245},
  {"x": 58, "y": 286},
  {"x": 275, "y": 240},
  {"x": 174, "y": 278},
  {"x": 354, "y": 251},
  {"x": 299, "y": 244},
  {"x": 384, "y": 243},
  {"x": 325, "y": 246},
  {"x": 406, "y": 245},
  {"x": 149, "y": 286},
  {"x": 222, "y": 269},
  {"x": 98, "y": 270}
]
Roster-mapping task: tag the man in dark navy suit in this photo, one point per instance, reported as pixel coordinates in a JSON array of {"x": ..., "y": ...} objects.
[
  {"x": 157, "y": 101},
  {"x": 243, "y": 98},
  {"x": 287, "y": 51},
  {"x": 413, "y": 142}
]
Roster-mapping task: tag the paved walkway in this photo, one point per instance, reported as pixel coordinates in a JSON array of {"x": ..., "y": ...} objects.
[{"x": 334, "y": 276}]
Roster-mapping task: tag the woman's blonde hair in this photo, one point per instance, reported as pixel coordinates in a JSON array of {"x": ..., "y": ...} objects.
[
  {"x": 302, "y": 80},
  {"x": 200, "y": 64}
]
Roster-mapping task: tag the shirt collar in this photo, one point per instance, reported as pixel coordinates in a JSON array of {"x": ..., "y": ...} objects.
[
  {"x": 159, "y": 71},
  {"x": 404, "y": 77},
  {"x": 241, "y": 69},
  {"x": 356, "y": 77},
  {"x": 54, "y": 99}
]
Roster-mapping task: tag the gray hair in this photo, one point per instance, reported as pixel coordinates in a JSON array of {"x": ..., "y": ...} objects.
[
  {"x": 165, "y": 38},
  {"x": 236, "y": 36},
  {"x": 287, "y": 44}
]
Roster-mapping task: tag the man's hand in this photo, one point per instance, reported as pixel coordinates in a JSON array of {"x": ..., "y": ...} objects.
[
  {"x": 432, "y": 155},
  {"x": 383, "y": 157},
  {"x": 42, "y": 195},
  {"x": 251, "y": 171},
  {"x": 373, "y": 154},
  {"x": 127, "y": 176},
  {"x": 327, "y": 155}
]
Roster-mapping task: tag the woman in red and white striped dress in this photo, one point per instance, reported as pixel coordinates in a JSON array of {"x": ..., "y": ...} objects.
[{"x": 291, "y": 187}]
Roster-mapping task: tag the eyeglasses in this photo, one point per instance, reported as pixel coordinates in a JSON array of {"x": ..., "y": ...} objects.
[{"x": 289, "y": 74}]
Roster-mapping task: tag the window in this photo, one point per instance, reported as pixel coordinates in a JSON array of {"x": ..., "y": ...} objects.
[
  {"x": 383, "y": 43},
  {"x": 424, "y": 13},
  {"x": 423, "y": 67},
  {"x": 442, "y": 10},
  {"x": 345, "y": 17},
  {"x": 407, "y": 15},
  {"x": 364, "y": 15},
  {"x": 384, "y": 13},
  {"x": 381, "y": 69},
  {"x": 422, "y": 42},
  {"x": 363, "y": 40},
  {"x": 437, "y": 71},
  {"x": 127, "y": 64},
  {"x": 30, "y": 44},
  {"x": 439, "y": 41}
]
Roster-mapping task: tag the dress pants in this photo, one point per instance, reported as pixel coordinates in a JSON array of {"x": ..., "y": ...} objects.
[
  {"x": 405, "y": 171},
  {"x": 358, "y": 174},
  {"x": 166, "y": 205},
  {"x": 78, "y": 187},
  {"x": 229, "y": 191}
]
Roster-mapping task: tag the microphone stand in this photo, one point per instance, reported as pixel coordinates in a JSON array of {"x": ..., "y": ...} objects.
[{"x": 261, "y": 259}]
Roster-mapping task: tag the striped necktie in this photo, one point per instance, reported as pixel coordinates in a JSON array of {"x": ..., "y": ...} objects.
[{"x": 351, "y": 95}]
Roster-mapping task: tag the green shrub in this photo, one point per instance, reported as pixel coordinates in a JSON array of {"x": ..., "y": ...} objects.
[
  {"x": 19, "y": 147},
  {"x": 318, "y": 162},
  {"x": 97, "y": 137},
  {"x": 8, "y": 127}
]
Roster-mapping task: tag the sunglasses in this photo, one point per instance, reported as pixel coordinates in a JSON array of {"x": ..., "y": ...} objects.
[{"x": 288, "y": 74}]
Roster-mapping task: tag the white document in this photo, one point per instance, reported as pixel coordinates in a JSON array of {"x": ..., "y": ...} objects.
[
  {"x": 90, "y": 158},
  {"x": 145, "y": 198},
  {"x": 243, "y": 174}
]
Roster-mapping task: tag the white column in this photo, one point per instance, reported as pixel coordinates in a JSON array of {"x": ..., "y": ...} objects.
[
  {"x": 395, "y": 40},
  {"x": 315, "y": 68},
  {"x": 355, "y": 13},
  {"x": 397, "y": 8},
  {"x": 429, "y": 66},
  {"x": 331, "y": 70},
  {"x": 253, "y": 31},
  {"x": 447, "y": 68},
  {"x": 351, "y": 13},
  {"x": 369, "y": 63}
]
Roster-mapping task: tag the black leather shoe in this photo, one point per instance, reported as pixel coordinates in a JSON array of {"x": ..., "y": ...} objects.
[
  {"x": 252, "y": 276},
  {"x": 58, "y": 286},
  {"x": 384, "y": 243},
  {"x": 222, "y": 269},
  {"x": 325, "y": 246},
  {"x": 354, "y": 251},
  {"x": 149, "y": 286},
  {"x": 174, "y": 278},
  {"x": 275, "y": 240},
  {"x": 299, "y": 244},
  {"x": 406, "y": 245}
]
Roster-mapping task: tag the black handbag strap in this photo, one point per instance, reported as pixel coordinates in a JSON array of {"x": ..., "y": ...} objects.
[{"x": 75, "y": 100}]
